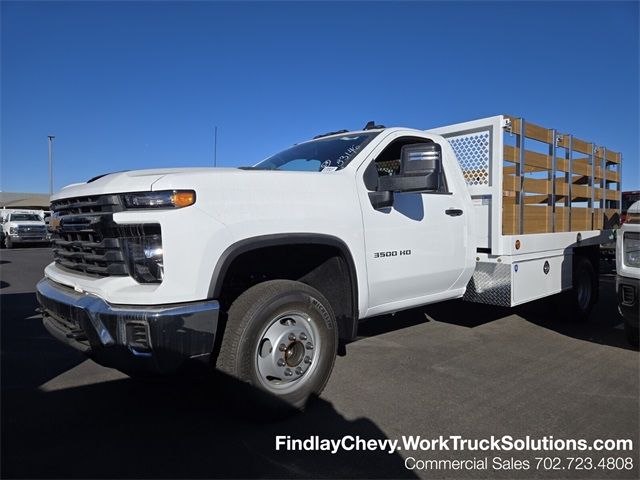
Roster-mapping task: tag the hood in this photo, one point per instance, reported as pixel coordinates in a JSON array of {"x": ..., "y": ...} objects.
[
  {"x": 120, "y": 182},
  {"x": 230, "y": 182},
  {"x": 231, "y": 194}
]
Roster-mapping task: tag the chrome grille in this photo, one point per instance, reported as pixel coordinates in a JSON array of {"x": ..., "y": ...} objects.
[
  {"x": 85, "y": 239},
  {"x": 32, "y": 230},
  {"x": 84, "y": 205}
]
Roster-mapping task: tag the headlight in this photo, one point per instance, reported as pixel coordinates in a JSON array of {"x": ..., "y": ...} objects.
[
  {"x": 162, "y": 199},
  {"x": 631, "y": 249},
  {"x": 13, "y": 230},
  {"x": 145, "y": 256}
]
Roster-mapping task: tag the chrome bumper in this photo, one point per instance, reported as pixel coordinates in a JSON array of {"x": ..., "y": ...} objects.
[{"x": 129, "y": 338}]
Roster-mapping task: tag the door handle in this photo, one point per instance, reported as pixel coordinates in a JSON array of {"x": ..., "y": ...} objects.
[{"x": 454, "y": 212}]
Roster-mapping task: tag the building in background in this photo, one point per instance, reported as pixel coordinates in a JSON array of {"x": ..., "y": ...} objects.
[{"x": 28, "y": 201}]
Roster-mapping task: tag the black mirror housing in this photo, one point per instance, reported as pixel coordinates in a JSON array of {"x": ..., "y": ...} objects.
[
  {"x": 420, "y": 170},
  {"x": 420, "y": 159},
  {"x": 409, "y": 183}
]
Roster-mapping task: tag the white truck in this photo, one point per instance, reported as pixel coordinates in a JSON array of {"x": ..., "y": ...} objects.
[
  {"x": 22, "y": 226},
  {"x": 262, "y": 270},
  {"x": 628, "y": 272}
]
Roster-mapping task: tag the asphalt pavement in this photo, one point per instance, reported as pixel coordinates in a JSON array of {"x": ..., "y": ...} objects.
[{"x": 447, "y": 369}]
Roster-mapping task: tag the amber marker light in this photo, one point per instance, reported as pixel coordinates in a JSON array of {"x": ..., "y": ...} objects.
[{"x": 183, "y": 198}]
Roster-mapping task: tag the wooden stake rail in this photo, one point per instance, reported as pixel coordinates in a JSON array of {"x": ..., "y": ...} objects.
[{"x": 576, "y": 172}]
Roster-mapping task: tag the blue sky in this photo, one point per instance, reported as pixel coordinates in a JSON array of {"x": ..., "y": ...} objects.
[{"x": 129, "y": 85}]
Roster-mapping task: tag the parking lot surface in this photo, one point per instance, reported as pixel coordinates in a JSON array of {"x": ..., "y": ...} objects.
[{"x": 448, "y": 369}]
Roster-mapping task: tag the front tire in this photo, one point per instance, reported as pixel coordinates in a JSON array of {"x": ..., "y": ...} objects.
[
  {"x": 281, "y": 336},
  {"x": 7, "y": 242}
]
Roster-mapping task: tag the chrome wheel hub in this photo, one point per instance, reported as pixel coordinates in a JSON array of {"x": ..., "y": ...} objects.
[{"x": 287, "y": 350}]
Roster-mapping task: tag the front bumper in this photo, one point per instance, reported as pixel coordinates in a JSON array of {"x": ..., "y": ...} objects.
[
  {"x": 23, "y": 239},
  {"x": 133, "y": 339},
  {"x": 628, "y": 290}
]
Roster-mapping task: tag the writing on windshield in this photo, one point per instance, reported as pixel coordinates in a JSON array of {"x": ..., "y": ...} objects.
[{"x": 332, "y": 153}]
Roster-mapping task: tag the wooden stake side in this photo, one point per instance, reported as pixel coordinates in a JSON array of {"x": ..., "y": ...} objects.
[{"x": 588, "y": 185}]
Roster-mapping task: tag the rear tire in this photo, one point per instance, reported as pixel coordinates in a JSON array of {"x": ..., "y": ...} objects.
[
  {"x": 578, "y": 302},
  {"x": 281, "y": 337}
]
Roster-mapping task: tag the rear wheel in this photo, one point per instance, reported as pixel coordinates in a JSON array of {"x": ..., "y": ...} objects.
[
  {"x": 578, "y": 302},
  {"x": 281, "y": 337}
]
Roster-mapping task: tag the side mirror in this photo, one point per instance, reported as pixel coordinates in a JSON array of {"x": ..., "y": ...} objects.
[{"x": 420, "y": 170}]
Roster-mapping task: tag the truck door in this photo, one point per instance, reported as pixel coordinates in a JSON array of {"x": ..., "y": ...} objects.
[{"x": 416, "y": 248}]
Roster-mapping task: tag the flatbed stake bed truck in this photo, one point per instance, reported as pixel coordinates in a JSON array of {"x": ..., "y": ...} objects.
[{"x": 277, "y": 262}]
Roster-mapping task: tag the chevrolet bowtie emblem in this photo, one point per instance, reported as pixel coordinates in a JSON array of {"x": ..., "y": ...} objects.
[{"x": 54, "y": 222}]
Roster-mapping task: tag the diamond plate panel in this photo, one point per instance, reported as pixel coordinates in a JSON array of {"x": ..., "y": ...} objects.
[
  {"x": 491, "y": 284},
  {"x": 472, "y": 150}
]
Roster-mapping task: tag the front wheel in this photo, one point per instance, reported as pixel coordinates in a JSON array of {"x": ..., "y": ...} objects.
[
  {"x": 7, "y": 242},
  {"x": 281, "y": 337}
]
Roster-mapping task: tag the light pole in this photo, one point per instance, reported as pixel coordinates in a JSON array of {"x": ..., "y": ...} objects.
[
  {"x": 215, "y": 146},
  {"x": 51, "y": 137}
]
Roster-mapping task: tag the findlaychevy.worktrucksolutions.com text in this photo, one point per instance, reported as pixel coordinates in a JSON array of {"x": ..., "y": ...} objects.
[{"x": 505, "y": 443}]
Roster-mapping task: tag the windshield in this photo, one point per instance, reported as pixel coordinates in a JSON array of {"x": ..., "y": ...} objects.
[
  {"x": 25, "y": 217},
  {"x": 324, "y": 154}
]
